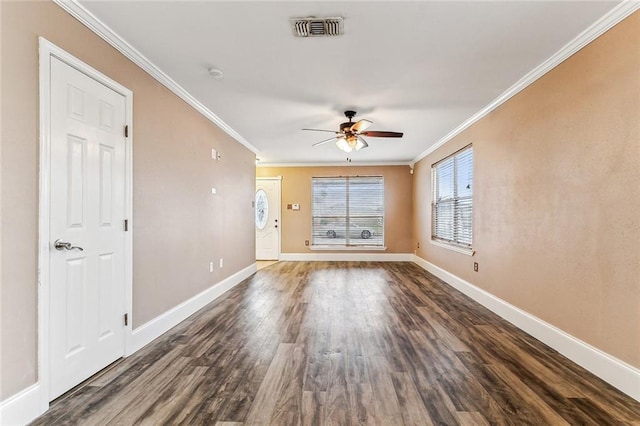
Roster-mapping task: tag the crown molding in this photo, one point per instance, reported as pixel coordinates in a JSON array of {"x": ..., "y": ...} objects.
[
  {"x": 613, "y": 17},
  {"x": 336, "y": 164},
  {"x": 89, "y": 20}
]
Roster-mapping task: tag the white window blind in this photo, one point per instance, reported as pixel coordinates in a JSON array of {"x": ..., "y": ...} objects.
[
  {"x": 348, "y": 211},
  {"x": 452, "y": 207}
]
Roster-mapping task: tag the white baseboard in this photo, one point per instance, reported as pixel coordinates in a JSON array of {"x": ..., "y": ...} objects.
[
  {"x": 153, "y": 329},
  {"x": 22, "y": 408},
  {"x": 345, "y": 257},
  {"x": 617, "y": 373}
]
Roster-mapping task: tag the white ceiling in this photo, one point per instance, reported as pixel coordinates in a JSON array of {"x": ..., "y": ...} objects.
[{"x": 419, "y": 67}]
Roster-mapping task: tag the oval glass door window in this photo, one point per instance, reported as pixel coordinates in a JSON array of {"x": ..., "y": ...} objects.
[{"x": 262, "y": 209}]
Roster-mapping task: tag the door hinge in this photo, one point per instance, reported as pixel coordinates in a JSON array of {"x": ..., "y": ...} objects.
[
  {"x": 126, "y": 319},
  {"x": 126, "y": 131},
  {"x": 126, "y": 225}
]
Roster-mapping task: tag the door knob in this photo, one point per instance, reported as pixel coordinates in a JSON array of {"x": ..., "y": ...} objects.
[{"x": 62, "y": 245}]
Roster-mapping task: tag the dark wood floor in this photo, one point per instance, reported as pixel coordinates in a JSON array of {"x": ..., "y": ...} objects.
[{"x": 344, "y": 343}]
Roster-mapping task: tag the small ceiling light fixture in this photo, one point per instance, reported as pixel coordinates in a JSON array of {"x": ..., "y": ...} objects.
[{"x": 215, "y": 73}]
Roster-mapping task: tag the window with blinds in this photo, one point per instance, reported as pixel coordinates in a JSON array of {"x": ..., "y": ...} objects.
[
  {"x": 347, "y": 211},
  {"x": 452, "y": 206}
]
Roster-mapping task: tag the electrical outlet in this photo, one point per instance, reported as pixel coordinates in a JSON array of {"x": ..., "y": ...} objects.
[
  {"x": 210, "y": 266},
  {"x": 475, "y": 266},
  {"x": 221, "y": 262},
  {"x": 306, "y": 242}
]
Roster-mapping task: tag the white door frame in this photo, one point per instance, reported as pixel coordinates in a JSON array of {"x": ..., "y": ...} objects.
[
  {"x": 47, "y": 51},
  {"x": 279, "y": 179}
]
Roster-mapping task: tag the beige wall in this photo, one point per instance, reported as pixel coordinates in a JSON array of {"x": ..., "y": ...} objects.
[
  {"x": 179, "y": 227},
  {"x": 557, "y": 197},
  {"x": 296, "y": 188}
]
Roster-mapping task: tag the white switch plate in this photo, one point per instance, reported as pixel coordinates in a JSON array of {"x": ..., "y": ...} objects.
[
  {"x": 213, "y": 191},
  {"x": 214, "y": 154},
  {"x": 210, "y": 266},
  {"x": 296, "y": 207},
  {"x": 221, "y": 262}
]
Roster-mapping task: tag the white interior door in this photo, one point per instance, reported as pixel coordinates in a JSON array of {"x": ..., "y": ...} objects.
[
  {"x": 87, "y": 212},
  {"x": 268, "y": 224}
]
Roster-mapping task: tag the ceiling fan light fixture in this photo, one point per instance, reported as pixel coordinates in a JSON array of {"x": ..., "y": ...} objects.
[
  {"x": 344, "y": 145},
  {"x": 358, "y": 144},
  {"x": 350, "y": 143}
]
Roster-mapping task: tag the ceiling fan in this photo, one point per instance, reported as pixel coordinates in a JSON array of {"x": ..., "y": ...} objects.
[{"x": 349, "y": 138}]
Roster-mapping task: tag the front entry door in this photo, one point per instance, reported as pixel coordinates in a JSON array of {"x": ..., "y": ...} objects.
[
  {"x": 87, "y": 243},
  {"x": 268, "y": 218}
]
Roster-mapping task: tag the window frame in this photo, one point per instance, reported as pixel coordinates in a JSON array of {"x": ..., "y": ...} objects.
[
  {"x": 347, "y": 217},
  {"x": 452, "y": 244}
]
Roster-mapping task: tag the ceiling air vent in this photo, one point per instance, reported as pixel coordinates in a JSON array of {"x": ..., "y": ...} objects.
[{"x": 317, "y": 27}]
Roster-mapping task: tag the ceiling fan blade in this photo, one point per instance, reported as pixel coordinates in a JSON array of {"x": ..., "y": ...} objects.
[
  {"x": 322, "y": 130},
  {"x": 327, "y": 140},
  {"x": 361, "y": 125},
  {"x": 364, "y": 143},
  {"x": 381, "y": 134}
]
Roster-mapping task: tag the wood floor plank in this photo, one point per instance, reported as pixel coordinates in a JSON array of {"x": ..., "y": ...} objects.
[
  {"x": 175, "y": 404},
  {"x": 266, "y": 398},
  {"x": 541, "y": 412},
  {"x": 471, "y": 419},
  {"x": 145, "y": 404},
  {"x": 522, "y": 357},
  {"x": 288, "y": 408},
  {"x": 313, "y": 408},
  {"x": 442, "y": 331},
  {"x": 387, "y": 407},
  {"x": 412, "y": 409},
  {"x": 361, "y": 404},
  {"x": 344, "y": 343},
  {"x": 439, "y": 406}
]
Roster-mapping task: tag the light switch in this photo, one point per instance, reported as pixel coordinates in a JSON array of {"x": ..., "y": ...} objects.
[
  {"x": 296, "y": 207},
  {"x": 214, "y": 154},
  {"x": 213, "y": 191}
]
